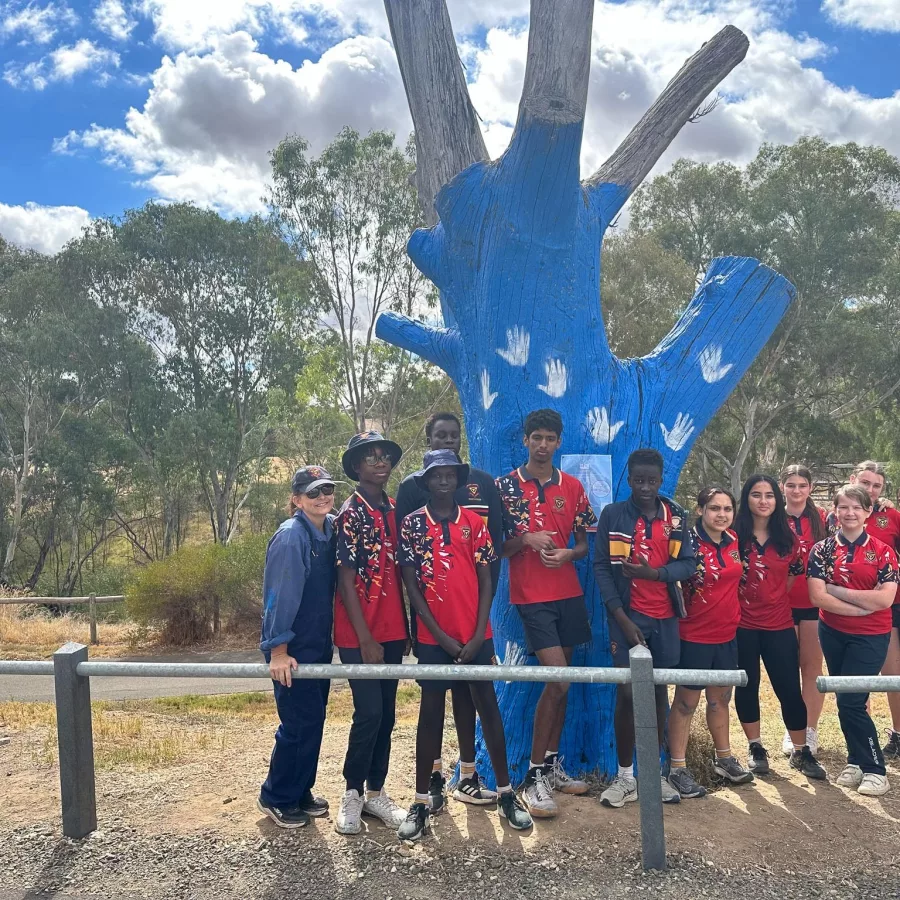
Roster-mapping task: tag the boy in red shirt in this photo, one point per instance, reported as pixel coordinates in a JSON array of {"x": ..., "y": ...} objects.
[
  {"x": 543, "y": 509},
  {"x": 369, "y": 626},
  {"x": 446, "y": 553}
]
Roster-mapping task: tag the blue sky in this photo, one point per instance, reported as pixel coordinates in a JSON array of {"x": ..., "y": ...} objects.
[{"x": 107, "y": 103}]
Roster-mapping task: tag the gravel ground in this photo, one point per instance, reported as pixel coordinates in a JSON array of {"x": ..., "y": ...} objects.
[{"x": 119, "y": 862}]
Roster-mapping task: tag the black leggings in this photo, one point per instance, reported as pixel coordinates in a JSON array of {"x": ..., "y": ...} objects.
[{"x": 780, "y": 653}]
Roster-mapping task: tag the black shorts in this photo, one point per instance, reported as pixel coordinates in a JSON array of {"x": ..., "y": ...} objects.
[
  {"x": 805, "y": 615},
  {"x": 895, "y": 616},
  {"x": 556, "y": 623},
  {"x": 708, "y": 656},
  {"x": 661, "y": 635},
  {"x": 432, "y": 655}
]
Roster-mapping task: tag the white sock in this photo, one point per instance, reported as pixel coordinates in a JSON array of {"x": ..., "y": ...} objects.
[
  {"x": 626, "y": 771},
  {"x": 506, "y": 789},
  {"x": 799, "y": 746},
  {"x": 533, "y": 765},
  {"x": 424, "y": 798}
]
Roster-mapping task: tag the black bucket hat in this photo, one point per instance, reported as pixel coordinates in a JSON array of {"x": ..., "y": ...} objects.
[
  {"x": 435, "y": 459},
  {"x": 395, "y": 451}
]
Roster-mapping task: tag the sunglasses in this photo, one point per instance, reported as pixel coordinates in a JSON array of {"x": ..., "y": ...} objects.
[
  {"x": 373, "y": 459},
  {"x": 325, "y": 490}
]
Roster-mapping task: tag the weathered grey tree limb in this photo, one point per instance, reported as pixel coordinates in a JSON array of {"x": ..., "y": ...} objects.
[
  {"x": 558, "y": 67},
  {"x": 648, "y": 140},
  {"x": 448, "y": 138}
]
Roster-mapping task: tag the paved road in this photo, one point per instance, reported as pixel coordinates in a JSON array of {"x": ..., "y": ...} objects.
[{"x": 40, "y": 687}]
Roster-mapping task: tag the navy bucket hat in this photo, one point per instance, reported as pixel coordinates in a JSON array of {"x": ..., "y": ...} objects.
[
  {"x": 435, "y": 459},
  {"x": 395, "y": 451}
]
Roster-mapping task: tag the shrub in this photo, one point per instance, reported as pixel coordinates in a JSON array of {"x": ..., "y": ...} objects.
[{"x": 194, "y": 592}]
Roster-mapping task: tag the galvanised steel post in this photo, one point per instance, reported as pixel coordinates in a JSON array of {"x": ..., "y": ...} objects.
[
  {"x": 75, "y": 741},
  {"x": 643, "y": 692}
]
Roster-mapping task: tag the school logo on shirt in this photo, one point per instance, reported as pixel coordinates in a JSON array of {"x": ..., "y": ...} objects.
[
  {"x": 466, "y": 532},
  {"x": 881, "y": 522},
  {"x": 735, "y": 556},
  {"x": 667, "y": 530},
  {"x": 870, "y": 556},
  {"x": 559, "y": 502},
  {"x": 473, "y": 491},
  {"x": 676, "y": 522}
]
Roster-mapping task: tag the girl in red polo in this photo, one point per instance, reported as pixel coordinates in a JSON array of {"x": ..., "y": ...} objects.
[
  {"x": 884, "y": 524},
  {"x": 772, "y": 559},
  {"x": 807, "y": 521},
  {"x": 853, "y": 582},
  {"x": 708, "y": 639}
]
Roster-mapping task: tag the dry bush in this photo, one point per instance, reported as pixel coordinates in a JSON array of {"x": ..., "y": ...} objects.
[{"x": 30, "y": 631}]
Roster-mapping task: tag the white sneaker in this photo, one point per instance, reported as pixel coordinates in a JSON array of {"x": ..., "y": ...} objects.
[
  {"x": 850, "y": 777},
  {"x": 382, "y": 807},
  {"x": 787, "y": 745},
  {"x": 622, "y": 790},
  {"x": 873, "y": 785},
  {"x": 349, "y": 817},
  {"x": 537, "y": 795},
  {"x": 560, "y": 781},
  {"x": 812, "y": 740}
]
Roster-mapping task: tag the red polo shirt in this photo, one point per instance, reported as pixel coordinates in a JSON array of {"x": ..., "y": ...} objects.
[
  {"x": 711, "y": 593},
  {"x": 763, "y": 589},
  {"x": 862, "y": 566},
  {"x": 800, "y": 525},
  {"x": 445, "y": 554},
  {"x": 651, "y": 542},
  {"x": 367, "y": 542},
  {"x": 561, "y": 505}
]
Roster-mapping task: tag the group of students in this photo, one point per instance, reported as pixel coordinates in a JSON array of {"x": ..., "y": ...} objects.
[{"x": 772, "y": 579}]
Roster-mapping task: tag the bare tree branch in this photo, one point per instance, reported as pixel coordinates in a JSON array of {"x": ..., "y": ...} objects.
[
  {"x": 559, "y": 61},
  {"x": 648, "y": 140},
  {"x": 448, "y": 138}
]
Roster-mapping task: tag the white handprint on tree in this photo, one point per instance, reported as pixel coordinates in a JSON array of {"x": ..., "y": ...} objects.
[
  {"x": 518, "y": 343},
  {"x": 601, "y": 429},
  {"x": 557, "y": 378},
  {"x": 680, "y": 433}
]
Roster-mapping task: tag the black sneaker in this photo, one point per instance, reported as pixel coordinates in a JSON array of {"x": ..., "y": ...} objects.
[
  {"x": 891, "y": 749},
  {"x": 283, "y": 818},
  {"x": 415, "y": 825},
  {"x": 437, "y": 791},
  {"x": 473, "y": 790},
  {"x": 758, "y": 761},
  {"x": 510, "y": 808},
  {"x": 804, "y": 762},
  {"x": 683, "y": 781},
  {"x": 314, "y": 806}
]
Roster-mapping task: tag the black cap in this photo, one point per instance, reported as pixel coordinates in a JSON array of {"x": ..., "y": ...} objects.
[
  {"x": 363, "y": 440},
  {"x": 309, "y": 477},
  {"x": 435, "y": 459}
]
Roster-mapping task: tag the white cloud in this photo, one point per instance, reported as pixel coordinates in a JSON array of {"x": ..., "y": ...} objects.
[
  {"x": 43, "y": 228},
  {"x": 111, "y": 17},
  {"x": 31, "y": 22},
  {"x": 209, "y": 121},
  {"x": 63, "y": 64},
  {"x": 870, "y": 15},
  {"x": 212, "y": 114}
]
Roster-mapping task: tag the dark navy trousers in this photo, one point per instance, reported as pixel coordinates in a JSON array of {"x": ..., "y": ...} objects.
[{"x": 298, "y": 740}]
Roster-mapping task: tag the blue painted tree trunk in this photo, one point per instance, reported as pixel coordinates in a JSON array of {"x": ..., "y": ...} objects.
[{"x": 516, "y": 257}]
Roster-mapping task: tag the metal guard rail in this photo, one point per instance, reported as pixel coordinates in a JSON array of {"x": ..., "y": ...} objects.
[{"x": 72, "y": 673}]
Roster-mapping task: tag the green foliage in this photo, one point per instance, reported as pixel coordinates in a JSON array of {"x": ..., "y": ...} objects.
[{"x": 187, "y": 593}]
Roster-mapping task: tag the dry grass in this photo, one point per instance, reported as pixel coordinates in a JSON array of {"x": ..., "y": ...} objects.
[
  {"x": 146, "y": 734},
  {"x": 30, "y": 632}
]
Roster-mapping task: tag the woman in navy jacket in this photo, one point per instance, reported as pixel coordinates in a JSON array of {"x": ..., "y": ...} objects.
[{"x": 298, "y": 612}]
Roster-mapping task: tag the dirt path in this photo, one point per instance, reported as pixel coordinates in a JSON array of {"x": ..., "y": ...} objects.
[{"x": 193, "y": 831}]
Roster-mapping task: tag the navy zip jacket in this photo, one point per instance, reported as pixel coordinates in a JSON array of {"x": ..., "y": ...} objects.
[
  {"x": 287, "y": 565},
  {"x": 614, "y": 544}
]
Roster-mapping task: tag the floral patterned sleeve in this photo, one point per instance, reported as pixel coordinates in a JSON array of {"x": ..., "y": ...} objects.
[
  {"x": 887, "y": 572},
  {"x": 406, "y": 554},
  {"x": 584, "y": 514},
  {"x": 797, "y": 566},
  {"x": 817, "y": 564},
  {"x": 484, "y": 549},
  {"x": 349, "y": 538}
]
